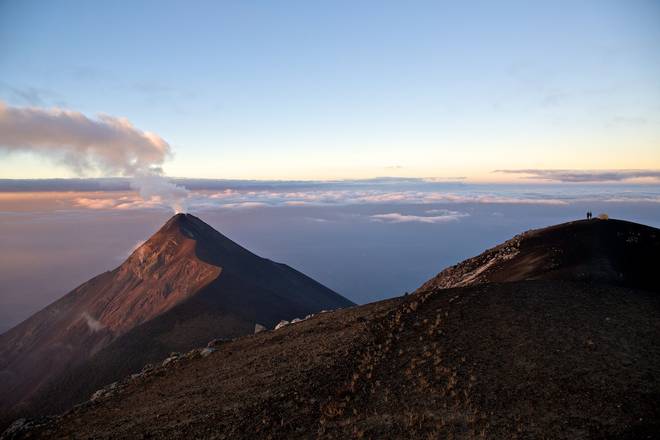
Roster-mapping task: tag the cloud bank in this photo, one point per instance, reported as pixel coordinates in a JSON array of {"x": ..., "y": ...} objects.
[
  {"x": 207, "y": 194},
  {"x": 442, "y": 216},
  {"x": 586, "y": 176}
]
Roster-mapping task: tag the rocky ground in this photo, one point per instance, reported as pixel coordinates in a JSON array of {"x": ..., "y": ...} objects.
[{"x": 535, "y": 359}]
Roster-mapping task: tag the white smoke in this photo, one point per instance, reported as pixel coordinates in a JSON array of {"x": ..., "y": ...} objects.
[
  {"x": 93, "y": 324},
  {"x": 107, "y": 145},
  {"x": 153, "y": 186}
]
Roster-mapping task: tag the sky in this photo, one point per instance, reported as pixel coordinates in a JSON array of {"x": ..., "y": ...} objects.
[{"x": 346, "y": 90}]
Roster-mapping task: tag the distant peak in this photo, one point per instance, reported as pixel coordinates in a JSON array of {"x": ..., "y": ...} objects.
[{"x": 210, "y": 245}]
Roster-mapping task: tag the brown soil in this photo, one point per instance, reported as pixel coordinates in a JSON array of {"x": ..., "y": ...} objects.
[{"x": 535, "y": 359}]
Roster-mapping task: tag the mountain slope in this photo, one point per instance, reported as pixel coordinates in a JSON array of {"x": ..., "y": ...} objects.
[
  {"x": 530, "y": 359},
  {"x": 607, "y": 251},
  {"x": 186, "y": 284},
  {"x": 544, "y": 358}
]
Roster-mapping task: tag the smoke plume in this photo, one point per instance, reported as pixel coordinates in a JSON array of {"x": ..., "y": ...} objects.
[
  {"x": 155, "y": 187},
  {"x": 107, "y": 145}
]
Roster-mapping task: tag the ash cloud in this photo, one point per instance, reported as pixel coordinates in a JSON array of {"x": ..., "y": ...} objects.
[
  {"x": 155, "y": 187},
  {"x": 107, "y": 144}
]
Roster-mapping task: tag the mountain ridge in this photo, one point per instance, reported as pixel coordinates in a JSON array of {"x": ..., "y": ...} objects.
[{"x": 607, "y": 251}]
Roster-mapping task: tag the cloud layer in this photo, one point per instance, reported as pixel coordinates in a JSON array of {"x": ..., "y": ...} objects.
[
  {"x": 440, "y": 216},
  {"x": 586, "y": 176},
  {"x": 158, "y": 193}
]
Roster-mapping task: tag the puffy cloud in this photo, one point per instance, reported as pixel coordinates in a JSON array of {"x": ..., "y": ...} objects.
[{"x": 109, "y": 144}]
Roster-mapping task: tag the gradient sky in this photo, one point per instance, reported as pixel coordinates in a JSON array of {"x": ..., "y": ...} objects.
[{"x": 302, "y": 90}]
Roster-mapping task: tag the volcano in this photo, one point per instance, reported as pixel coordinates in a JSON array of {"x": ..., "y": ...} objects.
[{"x": 186, "y": 285}]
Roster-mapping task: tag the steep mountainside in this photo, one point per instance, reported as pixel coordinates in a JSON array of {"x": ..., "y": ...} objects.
[
  {"x": 186, "y": 285},
  {"x": 544, "y": 358}
]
